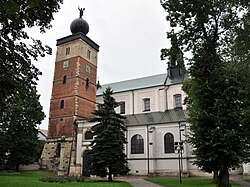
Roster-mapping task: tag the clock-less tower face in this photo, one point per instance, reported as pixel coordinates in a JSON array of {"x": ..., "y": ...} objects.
[{"x": 74, "y": 85}]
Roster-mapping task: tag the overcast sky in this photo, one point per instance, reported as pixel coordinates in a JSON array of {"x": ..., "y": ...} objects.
[{"x": 130, "y": 34}]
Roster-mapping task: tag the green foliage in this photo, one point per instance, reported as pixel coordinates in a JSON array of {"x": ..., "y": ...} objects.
[
  {"x": 197, "y": 21},
  {"x": 107, "y": 155},
  {"x": 218, "y": 89},
  {"x": 174, "y": 54},
  {"x": 61, "y": 179},
  {"x": 19, "y": 128},
  {"x": 17, "y": 73}
]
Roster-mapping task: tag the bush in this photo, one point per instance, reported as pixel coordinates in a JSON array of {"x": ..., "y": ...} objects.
[{"x": 61, "y": 179}]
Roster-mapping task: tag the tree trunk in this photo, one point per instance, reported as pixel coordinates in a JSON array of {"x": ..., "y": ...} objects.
[
  {"x": 110, "y": 175},
  {"x": 223, "y": 179},
  {"x": 215, "y": 176},
  {"x": 17, "y": 167}
]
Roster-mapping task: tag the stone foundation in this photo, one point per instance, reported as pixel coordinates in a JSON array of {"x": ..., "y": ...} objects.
[{"x": 56, "y": 155}]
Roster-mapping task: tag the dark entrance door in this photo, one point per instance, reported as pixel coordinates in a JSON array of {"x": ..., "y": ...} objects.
[{"x": 86, "y": 164}]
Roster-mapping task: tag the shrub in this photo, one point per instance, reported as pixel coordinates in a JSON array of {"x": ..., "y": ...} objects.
[{"x": 61, "y": 179}]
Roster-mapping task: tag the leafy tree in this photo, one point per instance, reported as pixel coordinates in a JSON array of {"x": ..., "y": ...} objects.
[
  {"x": 174, "y": 54},
  {"x": 17, "y": 73},
  {"x": 3, "y": 148},
  {"x": 19, "y": 125},
  {"x": 107, "y": 156},
  {"x": 215, "y": 32}
]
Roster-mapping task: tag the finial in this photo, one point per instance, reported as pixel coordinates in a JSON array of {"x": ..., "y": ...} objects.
[
  {"x": 98, "y": 85},
  {"x": 81, "y": 11}
]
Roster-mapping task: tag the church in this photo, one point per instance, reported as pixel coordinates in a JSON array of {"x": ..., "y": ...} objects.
[
  {"x": 156, "y": 124},
  {"x": 156, "y": 118}
]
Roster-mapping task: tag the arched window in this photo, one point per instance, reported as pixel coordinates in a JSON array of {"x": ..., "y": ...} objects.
[
  {"x": 169, "y": 143},
  {"x": 62, "y": 104},
  {"x": 88, "y": 135},
  {"x": 64, "y": 79},
  {"x": 137, "y": 144}
]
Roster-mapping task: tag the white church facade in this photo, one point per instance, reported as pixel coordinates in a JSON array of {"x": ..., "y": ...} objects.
[{"x": 156, "y": 121}]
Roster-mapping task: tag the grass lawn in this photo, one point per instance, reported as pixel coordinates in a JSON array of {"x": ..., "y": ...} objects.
[
  {"x": 186, "y": 182},
  {"x": 31, "y": 179}
]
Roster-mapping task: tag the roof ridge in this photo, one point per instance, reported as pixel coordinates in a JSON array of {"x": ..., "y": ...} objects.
[
  {"x": 133, "y": 79},
  {"x": 134, "y": 84}
]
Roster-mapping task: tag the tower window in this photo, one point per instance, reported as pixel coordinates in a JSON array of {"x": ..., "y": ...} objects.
[
  {"x": 64, "y": 79},
  {"x": 177, "y": 101},
  {"x": 88, "y": 54},
  {"x": 67, "y": 50},
  {"x": 62, "y": 104},
  {"x": 87, "y": 83},
  {"x": 122, "y": 107},
  {"x": 146, "y": 103}
]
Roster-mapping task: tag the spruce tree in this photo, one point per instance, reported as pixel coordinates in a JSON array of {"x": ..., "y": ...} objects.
[{"x": 107, "y": 153}]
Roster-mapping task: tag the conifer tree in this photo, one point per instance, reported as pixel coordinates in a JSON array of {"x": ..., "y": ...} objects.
[{"x": 107, "y": 153}]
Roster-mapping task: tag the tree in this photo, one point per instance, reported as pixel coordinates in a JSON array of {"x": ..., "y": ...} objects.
[
  {"x": 107, "y": 156},
  {"x": 19, "y": 125},
  {"x": 218, "y": 97},
  {"x": 3, "y": 148},
  {"x": 17, "y": 73}
]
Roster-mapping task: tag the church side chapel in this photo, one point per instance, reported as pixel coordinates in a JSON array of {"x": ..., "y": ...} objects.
[{"x": 156, "y": 117}]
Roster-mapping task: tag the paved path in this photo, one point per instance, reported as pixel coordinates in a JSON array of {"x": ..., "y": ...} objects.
[
  {"x": 238, "y": 179},
  {"x": 139, "y": 182}
]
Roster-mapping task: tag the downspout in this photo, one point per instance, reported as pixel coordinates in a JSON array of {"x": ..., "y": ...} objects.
[
  {"x": 148, "y": 149},
  {"x": 166, "y": 97},
  {"x": 133, "y": 103},
  {"x": 127, "y": 142}
]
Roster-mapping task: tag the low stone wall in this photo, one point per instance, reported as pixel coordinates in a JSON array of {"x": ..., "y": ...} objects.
[{"x": 35, "y": 166}]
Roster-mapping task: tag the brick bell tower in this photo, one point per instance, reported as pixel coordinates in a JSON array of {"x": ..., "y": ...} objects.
[{"x": 73, "y": 96}]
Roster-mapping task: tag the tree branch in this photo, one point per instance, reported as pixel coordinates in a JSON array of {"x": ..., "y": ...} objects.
[{"x": 204, "y": 31}]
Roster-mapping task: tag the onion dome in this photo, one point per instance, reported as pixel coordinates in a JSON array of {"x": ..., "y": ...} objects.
[{"x": 79, "y": 24}]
